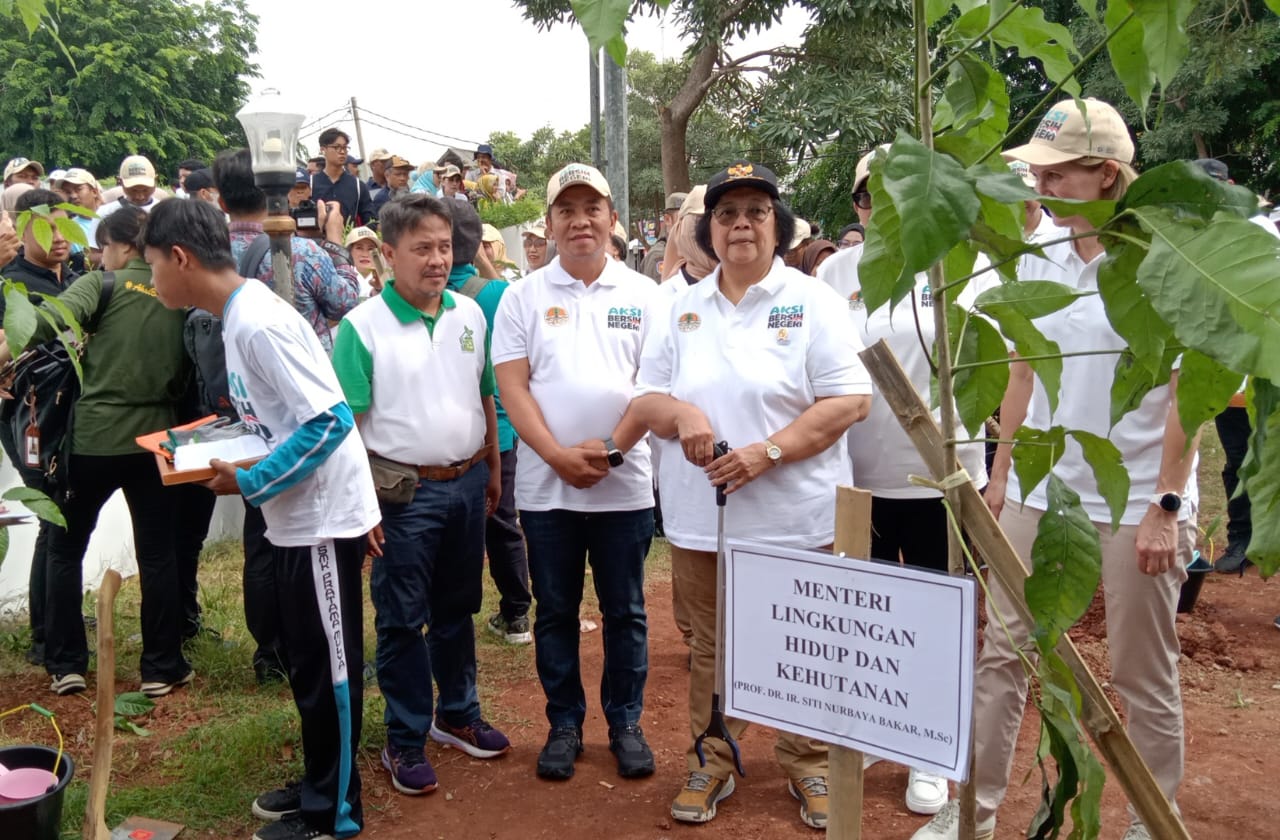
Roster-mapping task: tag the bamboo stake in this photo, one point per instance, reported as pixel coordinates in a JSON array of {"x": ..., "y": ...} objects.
[
  {"x": 1099, "y": 718},
  {"x": 95, "y": 812},
  {"x": 844, "y": 768}
]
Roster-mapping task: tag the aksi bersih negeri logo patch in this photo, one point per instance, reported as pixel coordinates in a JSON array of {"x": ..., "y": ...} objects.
[
  {"x": 926, "y": 296},
  {"x": 574, "y": 175},
  {"x": 556, "y": 316},
  {"x": 624, "y": 318},
  {"x": 1050, "y": 125},
  {"x": 786, "y": 316},
  {"x": 855, "y": 301},
  {"x": 467, "y": 341},
  {"x": 688, "y": 322},
  {"x": 136, "y": 170}
]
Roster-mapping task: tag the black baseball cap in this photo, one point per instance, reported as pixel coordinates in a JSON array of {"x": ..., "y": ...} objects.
[{"x": 740, "y": 173}]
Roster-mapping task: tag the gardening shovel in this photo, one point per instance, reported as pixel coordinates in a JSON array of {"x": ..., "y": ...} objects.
[
  {"x": 95, "y": 824},
  {"x": 716, "y": 727}
]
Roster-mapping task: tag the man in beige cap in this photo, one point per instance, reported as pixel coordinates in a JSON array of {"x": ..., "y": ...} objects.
[
  {"x": 378, "y": 160},
  {"x": 451, "y": 183},
  {"x": 395, "y": 171},
  {"x": 652, "y": 265},
  {"x": 21, "y": 170},
  {"x": 138, "y": 182}
]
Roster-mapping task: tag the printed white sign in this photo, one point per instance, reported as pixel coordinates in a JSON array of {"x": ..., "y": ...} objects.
[{"x": 871, "y": 656}]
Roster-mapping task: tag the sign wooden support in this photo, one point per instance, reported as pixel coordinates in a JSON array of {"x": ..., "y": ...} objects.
[
  {"x": 95, "y": 824},
  {"x": 1099, "y": 718},
  {"x": 844, "y": 770}
]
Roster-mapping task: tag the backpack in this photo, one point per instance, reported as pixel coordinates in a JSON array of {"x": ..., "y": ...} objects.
[
  {"x": 45, "y": 389},
  {"x": 202, "y": 339}
]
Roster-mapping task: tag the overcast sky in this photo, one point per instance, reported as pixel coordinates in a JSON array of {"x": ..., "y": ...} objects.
[{"x": 462, "y": 68}]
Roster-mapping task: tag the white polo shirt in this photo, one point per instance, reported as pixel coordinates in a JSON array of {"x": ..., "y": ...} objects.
[
  {"x": 1085, "y": 401},
  {"x": 583, "y": 346},
  {"x": 416, "y": 381},
  {"x": 753, "y": 369},
  {"x": 279, "y": 378},
  {"x": 882, "y": 454}
]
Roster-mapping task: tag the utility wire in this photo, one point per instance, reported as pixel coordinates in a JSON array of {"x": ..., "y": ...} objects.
[
  {"x": 344, "y": 109},
  {"x": 417, "y": 128}
]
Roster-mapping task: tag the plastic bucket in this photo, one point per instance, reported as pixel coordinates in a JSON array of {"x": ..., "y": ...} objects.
[
  {"x": 38, "y": 818},
  {"x": 1197, "y": 570}
]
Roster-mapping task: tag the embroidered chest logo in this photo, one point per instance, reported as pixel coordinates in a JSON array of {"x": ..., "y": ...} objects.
[
  {"x": 926, "y": 296},
  {"x": 784, "y": 337},
  {"x": 688, "y": 322},
  {"x": 624, "y": 318},
  {"x": 855, "y": 301},
  {"x": 240, "y": 399},
  {"x": 788, "y": 317},
  {"x": 556, "y": 316},
  {"x": 467, "y": 340}
]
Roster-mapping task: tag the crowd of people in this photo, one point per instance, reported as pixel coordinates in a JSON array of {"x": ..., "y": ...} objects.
[{"x": 425, "y": 404}]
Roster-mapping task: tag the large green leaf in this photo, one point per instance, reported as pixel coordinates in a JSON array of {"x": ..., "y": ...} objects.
[
  {"x": 37, "y": 502},
  {"x": 1030, "y": 298},
  {"x": 1035, "y": 451},
  {"x": 978, "y": 391},
  {"x": 1260, "y": 476},
  {"x": 1001, "y": 184},
  {"x": 133, "y": 704},
  {"x": 1205, "y": 388},
  {"x": 959, "y": 263},
  {"x": 978, "y": 100},
  {"x": 999, "y": 232},
  {"x": 1131, "y": 315},
  {"x": 71, "y": 232},
  {"x": 19, "y": 318},
  {"x": 1216, "y": 286},
  {"x": 1097, "y": 212},
  {"x": 4, "y": 542},
  {"x": 934, "y": 197},
  {"x": 881, "y": 269},
  {"x": 1164, "y": 34},
  {"x": 1079, "y": 778},
  {"x": 1189, "y": 191},
  {"x": 1034, "y": 37},
  {"x": 1128, "y": 56},
  {"x": 1133, "y": 380},
  {"x": 1066, "y": 564},
  {"x": 1109, "y": 472},
  {"x": 1029, "y": 342},
  {"x": 602, "y": 21}
]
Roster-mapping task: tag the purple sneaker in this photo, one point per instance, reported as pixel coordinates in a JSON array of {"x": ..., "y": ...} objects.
[
  {"x": 411, "y": 773},
  {"x": 477, "y": 738}
]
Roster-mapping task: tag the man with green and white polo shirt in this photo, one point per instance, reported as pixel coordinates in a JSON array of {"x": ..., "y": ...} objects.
[{"x": 414, "y": 365}]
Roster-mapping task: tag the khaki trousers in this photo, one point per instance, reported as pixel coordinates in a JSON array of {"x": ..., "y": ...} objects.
[
  {"x": 693, "y": 576},
  {"x": 1143, "y": 647}
]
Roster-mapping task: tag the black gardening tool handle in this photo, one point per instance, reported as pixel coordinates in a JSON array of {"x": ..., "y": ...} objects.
[
  {"x": 719, "y": 449},
  {"x": 717, "y": 728}
]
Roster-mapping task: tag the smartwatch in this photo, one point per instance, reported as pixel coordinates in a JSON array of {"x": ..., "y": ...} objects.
[
  {"x": 615, "y": 454},
  {"x": 1168, "y": 502}
]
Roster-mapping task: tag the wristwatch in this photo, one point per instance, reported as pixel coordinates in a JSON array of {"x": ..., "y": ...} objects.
[
  {"x": 774, "y": 452},
  {"x": 1168, "y": 502},
  {"x": 615, "y": 454}
]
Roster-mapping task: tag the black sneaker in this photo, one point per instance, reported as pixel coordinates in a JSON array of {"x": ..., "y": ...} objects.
[
  {"x": 1232, "y": 561},
  {"x": 563, "y": 747},
  {"x": 279, "y": 804},
  {"x": 627, "y": 744},
  {"x": 292, "y": 828},
  {"x": 35, "y": 654}
]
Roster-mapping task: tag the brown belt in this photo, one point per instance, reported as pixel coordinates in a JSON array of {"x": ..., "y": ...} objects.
[{"x": 454, "y": 470}]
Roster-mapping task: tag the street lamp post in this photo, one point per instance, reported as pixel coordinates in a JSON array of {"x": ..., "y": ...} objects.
[{"x": 271, "y": 126}]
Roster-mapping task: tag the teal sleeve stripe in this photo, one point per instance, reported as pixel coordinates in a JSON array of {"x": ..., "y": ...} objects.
[
  {"x": 354, "y": 365},
  {"x": 298, "y": 457}
]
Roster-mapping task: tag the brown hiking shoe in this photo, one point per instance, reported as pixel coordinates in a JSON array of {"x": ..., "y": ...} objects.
[
  {"x": 696, "y": 802},
  {"x": 812, "y": 793}
]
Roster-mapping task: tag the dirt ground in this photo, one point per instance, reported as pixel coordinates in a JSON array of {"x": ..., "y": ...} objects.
[{"x": 1231, "y": 685}]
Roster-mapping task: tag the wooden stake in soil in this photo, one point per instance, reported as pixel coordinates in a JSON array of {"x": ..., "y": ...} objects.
[
  {"x": 844, "y": 768},
  {"x": 95, "y": 812},
  {"x": 1099, "y": 718}
]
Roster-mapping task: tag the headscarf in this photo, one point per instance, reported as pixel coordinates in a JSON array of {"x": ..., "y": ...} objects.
[
  {"x": 9, "y": 198},
  {"x": 683, "y": 250},
  {"x": 488, "y": 187},
  {"x": 814, "y": 250}
]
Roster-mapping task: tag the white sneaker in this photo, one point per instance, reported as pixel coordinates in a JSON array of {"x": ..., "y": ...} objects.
[
  {"x": 946, "y": 826},
  {"x": 926, "y": 793},
  {"x": 1137, "y": 831}
]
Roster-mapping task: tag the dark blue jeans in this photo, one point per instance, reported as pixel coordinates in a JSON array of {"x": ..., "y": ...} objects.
[
  {"x": 616, "y": 543},
  {"x": 430, "y": 574}
]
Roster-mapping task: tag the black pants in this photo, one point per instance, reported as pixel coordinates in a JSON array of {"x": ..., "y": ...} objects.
[
  {"x": 261, "y": 616},
  {"x": 1234, "y": 430},
  {"x": 151, "y": 508},
  {"x": 319, "y": 599},
  {"x": 33, "y": 478},
  {"x": 193, "y": 506},
  {"x": 504, "y": 543},
  {"x": 916, "y": 529}
]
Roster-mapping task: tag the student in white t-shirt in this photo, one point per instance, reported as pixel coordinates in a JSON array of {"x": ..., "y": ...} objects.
[
  {"x": 760, "y": 356},
  {"x": 316, "y": 494},
  {"x": 566, "y": 346},
  {"x": 1088, "y": 159}
]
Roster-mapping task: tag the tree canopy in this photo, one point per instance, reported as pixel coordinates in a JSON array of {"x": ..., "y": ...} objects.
[{"x": 102, "y": 80}]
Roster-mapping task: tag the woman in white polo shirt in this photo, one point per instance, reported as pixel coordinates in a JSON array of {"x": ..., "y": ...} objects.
[
  {"x": 1076, "y": 158},
  {"x": 761, "y": 356}
]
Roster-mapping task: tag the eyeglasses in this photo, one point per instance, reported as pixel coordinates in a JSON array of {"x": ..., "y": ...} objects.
[
  {"x": 728, "y": 215},
  {"x": 862, "y": 200},
  {"x": 338, "y": 148}
]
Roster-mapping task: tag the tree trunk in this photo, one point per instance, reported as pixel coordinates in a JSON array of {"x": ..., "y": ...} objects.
[{"x": 675, "y": 120}]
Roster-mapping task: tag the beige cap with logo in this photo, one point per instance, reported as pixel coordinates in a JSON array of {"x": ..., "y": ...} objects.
[
  {"x": 136, "y": 170},
  {"x": 574, "y": 174},
  {"x": 1067, "y": 133}
]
